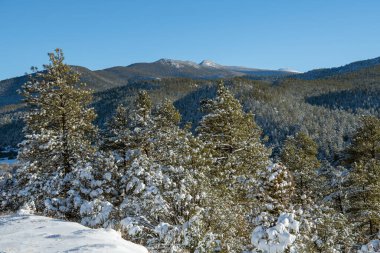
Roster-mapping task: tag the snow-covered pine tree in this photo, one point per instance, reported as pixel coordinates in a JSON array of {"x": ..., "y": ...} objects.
[
  {"x": 161, "y": 184},
  {"x": 95, "y": 191},
  {"x": 326, "y": 231},
  {"x": 171, "y": 144},
  {"x": 232, "y": 139},
  {"x": 161, "y": 208},
  {"x": 299, "y": 155},
  {"x": 118, "y": 136},
  {"x": 366, "y": 141},
  {"x": 274, "y": 220},
  {"x": 364, "y": 179},
  {"x": 322, "y": 228},
  {"x": 141, "y": 124},
  {"x": 58, "y": 131},
  {"x": 333, "y": 185}
]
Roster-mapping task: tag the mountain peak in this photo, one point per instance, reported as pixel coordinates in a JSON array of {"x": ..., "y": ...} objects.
[
  {"x": 177, "y": 63},
  {"x": 209, "y": 63}
]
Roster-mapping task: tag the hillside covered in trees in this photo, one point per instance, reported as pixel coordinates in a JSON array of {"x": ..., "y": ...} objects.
[
  {"x": 181, "y": 165},
  {"x": 327, "y": 108}
]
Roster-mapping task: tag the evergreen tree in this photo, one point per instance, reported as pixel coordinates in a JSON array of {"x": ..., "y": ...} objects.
[
  {"x": 118, "y": 136},
  {"x": 300, "y": 156},
  {"x": 95, "y": 191},
  {"x": 366, "y": 142},
  {"x": 364, "y": 198},
  {"x": 59, "y": 127},
  {"x": 160, "y": 189},
  {"x": 333, "y": 185},
  {"x": 232, "y": 139},
  {"x": 364, "y": 179},
  {"x": 322, "y": 228},
  {"x": 158, "y": 206},
  {"x": 140, "y": 123},
  {"x": 172, "y": 145},
  {"x": 328, "y": 231},
  {"x": 59, "y": 131},
  {"x": 176, "y": 147},
  {"x": 232, "y": 135},
  {"x": 274, "y": 220}
]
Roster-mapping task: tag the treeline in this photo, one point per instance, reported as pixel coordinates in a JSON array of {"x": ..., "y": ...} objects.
[{"x": 215, "y": 189}]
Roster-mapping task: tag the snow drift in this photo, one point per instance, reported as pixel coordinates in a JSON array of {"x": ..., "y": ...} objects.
[{"x": 31, "y": 233}]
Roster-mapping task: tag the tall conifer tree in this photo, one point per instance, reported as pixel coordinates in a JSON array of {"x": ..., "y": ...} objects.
[
  {"x": 232, "y": 139},
  {"x": 300, "y": 156},
  {"x": 59, "y": 123},
  {"x": 59, "y": 130},
  {"x": 364, "y": 179}
]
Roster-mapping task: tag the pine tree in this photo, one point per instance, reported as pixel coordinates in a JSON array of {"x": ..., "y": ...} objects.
[
  {"x": 140, "y": 123},
  {"x": 274, "y": 220},
  {"x": 364, "y": 179},
  {"x": 160, "y": 208},
  {"x": 366, "y": 142},
  {"x": 172, "y": 145},
  {"x": 95, "y": 191},
  {"x": 176, "y": 147},
  {"x": 160, "y": 188},
  {"x": 232, "y": 139},
  {"x": 322, "y": 228},
  {"x": 333, "y": 185},
  {"x": 329, "y": 231},
  {"x": 300, "y": 156},
  {"x": 232, "y": 135},
  {"x": 118, "y": 136},
  {"x": 58, "y": 132},
  {"x": 59, "y": 124},
  {"x": 364, "y": 198}
]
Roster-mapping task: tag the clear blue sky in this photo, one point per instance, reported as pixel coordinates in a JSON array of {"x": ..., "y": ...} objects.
[{"x": 270, "y": 34}]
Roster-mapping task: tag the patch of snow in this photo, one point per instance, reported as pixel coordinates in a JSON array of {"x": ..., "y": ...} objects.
[
  {"x": 178, "y": 64},
  {"x": 211, "y": 64},
  {"x": 289, "y": 70},
  {"x": 278, "y": 238},
  {"x": 31, "y": 233},
  {"x": 372, "y": 247}
]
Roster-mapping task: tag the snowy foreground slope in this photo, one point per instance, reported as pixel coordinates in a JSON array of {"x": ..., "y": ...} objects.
[{"x": 30, "y": 233}]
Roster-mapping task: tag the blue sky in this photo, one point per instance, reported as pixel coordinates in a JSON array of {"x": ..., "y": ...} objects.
[{"x": 265, "y": 34}]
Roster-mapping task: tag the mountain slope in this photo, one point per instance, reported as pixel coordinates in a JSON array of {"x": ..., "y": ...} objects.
[
  {"x": 328, "y": 72},
  {"x": 95, "y": 81},
  {"x": 101, "y": 80},
  {"x": 167, "y": 68}
]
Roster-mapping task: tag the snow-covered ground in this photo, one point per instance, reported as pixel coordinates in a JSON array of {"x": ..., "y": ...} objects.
[{"x": 31, "y": 233}]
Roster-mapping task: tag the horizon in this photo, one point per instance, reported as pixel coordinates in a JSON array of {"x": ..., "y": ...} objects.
[{"x": 271, "y": 35}]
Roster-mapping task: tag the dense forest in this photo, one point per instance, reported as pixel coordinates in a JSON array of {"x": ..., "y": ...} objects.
[
  {"x": 328, "y": 109},
  {"x": 183, "y": 165}
]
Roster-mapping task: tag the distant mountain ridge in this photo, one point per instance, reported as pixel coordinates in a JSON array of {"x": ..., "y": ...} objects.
[
  {"x": 113, "y": 77},
  {"x": 108, "y": 78},
  {"x": 167, "y": 68},
  {"x": 328, "y": 72}
]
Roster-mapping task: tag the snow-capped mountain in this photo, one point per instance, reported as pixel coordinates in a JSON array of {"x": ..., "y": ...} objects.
[
  {"x": 209, "y": 63},
  {"x": 206, "y": 69},
  {"x": 178, "y": 63}
]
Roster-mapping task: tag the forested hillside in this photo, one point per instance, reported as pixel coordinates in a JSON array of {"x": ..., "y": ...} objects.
[
  {"x": 200, "y": 174},
  {"x": 327, "y": 109}
]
